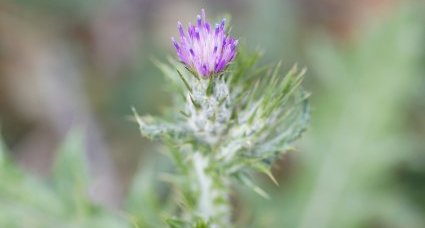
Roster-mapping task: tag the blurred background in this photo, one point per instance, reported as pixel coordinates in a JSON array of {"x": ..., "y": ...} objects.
[{"x": 70, "y": 71}]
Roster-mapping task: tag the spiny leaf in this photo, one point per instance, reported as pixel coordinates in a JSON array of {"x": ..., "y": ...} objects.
[
  {"x": 245, "y": 180},
  {"x": 292, "y": 78},
  {"x": 210, "y": 88},
  {"x": 193, "y": 73},
  {"x": 261, "y": 167},
  {"x": 153, "y": 127},
  {"x": 188, "y": 87},
  {"x": 184, "y": 114},
  {"x": 244, "y": 63},
  {"x": 196, "y": 104},
  {"x": 257, "y": 72},
  {"x": 274, "y": 76}
]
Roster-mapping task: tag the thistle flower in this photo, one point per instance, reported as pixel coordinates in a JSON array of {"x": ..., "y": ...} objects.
[
  {"x": 204, "y": 50},
  {"x": 243, "y": 120}
]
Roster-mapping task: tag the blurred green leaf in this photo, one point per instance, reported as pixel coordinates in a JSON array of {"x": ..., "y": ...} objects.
[
  {"x": 27, "y": 201},
  {"x": 70, "y": 175},
  {"x": 143, "y": 203}
]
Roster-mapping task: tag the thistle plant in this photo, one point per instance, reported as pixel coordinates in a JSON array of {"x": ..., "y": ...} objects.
[{"x": 231, "y": 116}]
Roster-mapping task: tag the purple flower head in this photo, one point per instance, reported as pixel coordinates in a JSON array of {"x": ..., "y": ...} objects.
[{"x": 203, "y": 49}]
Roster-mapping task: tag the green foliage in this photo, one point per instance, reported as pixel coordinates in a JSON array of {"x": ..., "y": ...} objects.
[
  {"x": 144, "y": 205},
  {"x": 27, "y": 201},
  {"x": 70, "y": 176}
]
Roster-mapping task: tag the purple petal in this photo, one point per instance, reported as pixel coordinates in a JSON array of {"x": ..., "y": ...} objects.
[
  {"x": 176, "y": 45},
  {"x": 197, "y": 34},
  {"x": 207, "y": 27},
  {"x": 180, "y": 27},
  {"x": 217, "y": 29},
  {"x": 199, "y": 19},
  {"x": 204, "y": 70},
  {"x": 223, "y": 22}
]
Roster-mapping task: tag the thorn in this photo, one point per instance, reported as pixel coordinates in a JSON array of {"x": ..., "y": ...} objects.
[
  {"x": 184, "y": 114},
  {"x": 270, "y": 175},
  {"x": 138, "y": 119},
  {"x": 197, "y": 106},
  {"x": 210, "y": 88},
  {"x": 184, "y": 81}
]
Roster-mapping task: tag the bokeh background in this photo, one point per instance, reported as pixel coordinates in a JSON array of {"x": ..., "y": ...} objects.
[{"x": 70, "y": 71}]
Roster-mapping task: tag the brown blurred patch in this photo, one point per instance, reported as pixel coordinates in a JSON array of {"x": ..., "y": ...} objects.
[
  {"x": 342, "y": 18},
  {"x": 43, "y": 98}
]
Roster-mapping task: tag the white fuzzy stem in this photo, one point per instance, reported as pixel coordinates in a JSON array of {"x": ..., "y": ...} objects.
[{"x": 209, "y": 207}]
